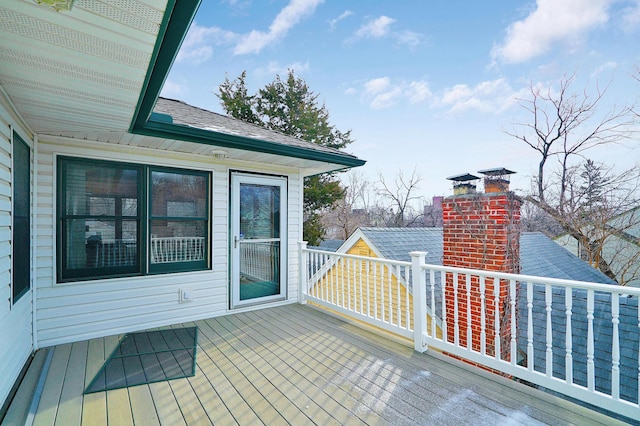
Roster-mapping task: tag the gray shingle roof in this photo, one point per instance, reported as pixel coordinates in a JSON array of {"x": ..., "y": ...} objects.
[
  {"x": 185, "y": 114},
  {"x": 539, "y": 256}
]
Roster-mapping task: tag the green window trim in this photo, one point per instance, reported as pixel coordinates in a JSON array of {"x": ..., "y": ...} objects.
[
  {"x": 21, "y": 219},
  {"x": 117, "y": 219}
]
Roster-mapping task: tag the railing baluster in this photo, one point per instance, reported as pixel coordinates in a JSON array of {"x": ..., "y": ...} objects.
[
  {"x": 432, "y": 279},
  {"x": 390, "y": 292},
  {"x": 353, "y": 285},
  {"x": 496, "y": 317},
  {"x": 512, "y": 302},
  {"x": 469, "y": 316},
  {"x": 530, "y": 353},
  {"x": 445, "y": 318},
  {"x": 590, "y": 348},
  {"x": 456, "y": 324},
  {"x": 549, "y": 335},
  {"x": 360, "y": 267},
  {"x": 483, "y": 316},
  {"x": 343, "y": 267},
  {"x": 408, "y": 281},
  {"x": 615, "y": 349},
  {"x": 382, "y": 301},
  {"x": 568, "y": 359},
  {"x": 368, "y": 288},
  {"x": 375, "y": 290},
  {"x": 398, "y": 270}
]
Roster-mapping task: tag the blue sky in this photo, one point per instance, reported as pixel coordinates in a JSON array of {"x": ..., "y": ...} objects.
[{"x": 430, "y": 85}]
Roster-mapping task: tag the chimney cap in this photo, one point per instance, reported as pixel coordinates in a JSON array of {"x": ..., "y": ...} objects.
[
  {"x": 465, "y": 177},
  {"x": 498, "y": 171}
]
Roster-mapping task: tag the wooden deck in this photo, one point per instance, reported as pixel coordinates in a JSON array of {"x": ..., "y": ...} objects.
[{"x": 294, "y": 365}]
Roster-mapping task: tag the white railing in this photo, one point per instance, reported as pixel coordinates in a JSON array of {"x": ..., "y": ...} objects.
[
  {"x": 259, "y": 260},
  {"x": 580, "y": 339},
  {"x": 111, "y": 253},
  {"x": 176, "y": 249}
]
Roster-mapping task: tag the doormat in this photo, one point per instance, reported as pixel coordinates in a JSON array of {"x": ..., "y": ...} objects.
[{"x": 148, "y": 357}]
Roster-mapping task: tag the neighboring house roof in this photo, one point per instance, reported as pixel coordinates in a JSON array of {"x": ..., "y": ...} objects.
[
  {"x": 540, "y": 256},
  {"x": 330, "y": 245}
]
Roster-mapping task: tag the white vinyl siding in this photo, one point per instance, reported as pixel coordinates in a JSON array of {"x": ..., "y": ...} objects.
[
  {"x": 16, "y": 342},
  {"x": 73, "y": 311}
]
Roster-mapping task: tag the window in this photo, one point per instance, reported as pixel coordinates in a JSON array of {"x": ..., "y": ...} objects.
[
  {"x": 118, "y": 219},
  {"x": 21, "y": 218}
]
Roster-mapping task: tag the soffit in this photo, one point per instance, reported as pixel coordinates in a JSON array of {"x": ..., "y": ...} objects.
[{"x": 77, "y": 73}]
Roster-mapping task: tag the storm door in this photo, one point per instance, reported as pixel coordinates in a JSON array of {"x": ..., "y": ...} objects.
[{"x": 258, "y": 239}]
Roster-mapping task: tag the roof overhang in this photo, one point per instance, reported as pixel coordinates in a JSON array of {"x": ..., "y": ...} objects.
[{"x": 95, "y": 73}]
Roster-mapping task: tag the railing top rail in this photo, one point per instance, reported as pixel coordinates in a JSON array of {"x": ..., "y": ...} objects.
[
  {"x": 609, "y": 288},
  {"x": 354, "y": 256}
]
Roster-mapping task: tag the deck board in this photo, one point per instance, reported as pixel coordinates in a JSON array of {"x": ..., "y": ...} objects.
[
  {"x": 70, "y": 406},
  {"x": 295, "y": 365},
  {"x": 48, "y": 406},
  {"x": 94, "y": 405},
  {"x": 306, "y": 409}
]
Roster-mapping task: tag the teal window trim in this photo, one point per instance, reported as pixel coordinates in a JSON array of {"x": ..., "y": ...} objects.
[
  {"x": 143, "y": 217},
  {"x": 21, "y": 219},
  {"x": 203, "y": 264}
]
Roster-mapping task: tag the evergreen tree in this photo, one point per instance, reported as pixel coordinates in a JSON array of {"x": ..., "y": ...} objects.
[{"x": 290, "y": 107}]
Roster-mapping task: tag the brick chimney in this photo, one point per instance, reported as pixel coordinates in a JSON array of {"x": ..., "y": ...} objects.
[{"x": 481, "y": 231}]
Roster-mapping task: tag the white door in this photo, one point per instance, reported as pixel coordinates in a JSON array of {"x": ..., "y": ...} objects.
[{"x": 258, "y": 239}]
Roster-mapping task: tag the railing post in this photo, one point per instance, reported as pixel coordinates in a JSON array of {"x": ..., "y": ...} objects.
[
  {"x": 303, "y": 272},
  {"x": 419, "y": 300}
]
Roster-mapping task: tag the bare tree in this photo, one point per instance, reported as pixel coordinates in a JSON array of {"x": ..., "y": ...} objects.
[
  {"x": 353, "y": 210},
  {"x": 397, "y": 199},
  {"x": 581, "y": 196}
]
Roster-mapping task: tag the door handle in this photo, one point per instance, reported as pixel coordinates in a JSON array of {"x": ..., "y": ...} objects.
[{"x": 235, "y": 241}]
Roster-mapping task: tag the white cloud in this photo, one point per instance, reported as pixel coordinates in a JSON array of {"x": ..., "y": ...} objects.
[
  {"x": 375, "y": 28},
  {"x": 344, "y": 15},
  {"x": 274, "y": 68},
  {"x": 409, "y": 38},
  {"x": 197, "y": 46},
  {"x": 419, "y": 91},
  {"x": 380, "y": 28},
  {"x": 288, "y": 17},
  {"x": 631, "y": 17},
  {"x": 376, "y": 85},
  {"x": 171, "y": 89},
  {"x": 552, "y": 21},
  {"x": 383, "y": 93},
  {"x": 488, "y": 96},
  {"x": 604, "y": 68}
]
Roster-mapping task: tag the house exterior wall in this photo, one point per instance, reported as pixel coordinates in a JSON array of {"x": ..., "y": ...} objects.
[
  {"x": 622, "y": 256},
  {"x": 16, "y": 342},
  {"x": 78, "y": 310}
]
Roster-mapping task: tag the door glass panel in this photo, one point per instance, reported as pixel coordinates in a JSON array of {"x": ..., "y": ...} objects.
[{"x": 259, "y": 241}]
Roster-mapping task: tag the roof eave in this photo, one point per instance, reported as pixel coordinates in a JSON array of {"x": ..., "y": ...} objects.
[
  {"x": 176, "y": 23},
  {"x": 209, "y": 137}
]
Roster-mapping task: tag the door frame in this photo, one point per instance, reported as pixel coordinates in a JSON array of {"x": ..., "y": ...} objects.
[{"x": 236, "y": 179}]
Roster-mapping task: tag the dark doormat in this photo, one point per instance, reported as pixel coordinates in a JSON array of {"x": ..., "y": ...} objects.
[{"x": 148, "y": 357}]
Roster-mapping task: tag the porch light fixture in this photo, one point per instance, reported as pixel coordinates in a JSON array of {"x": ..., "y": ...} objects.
[
  {"x": 219, "y": 154},
  {"x": 57, "y": 5}
]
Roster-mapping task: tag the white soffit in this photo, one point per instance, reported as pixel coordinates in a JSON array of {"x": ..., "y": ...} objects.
[{"x": 80, "y": 71}]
